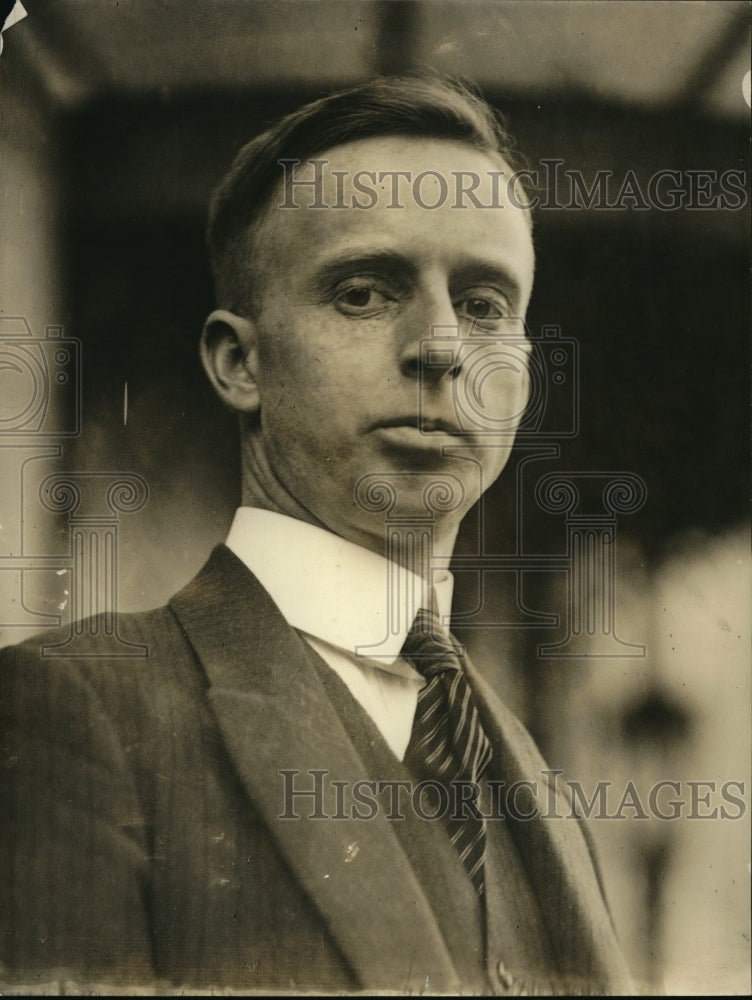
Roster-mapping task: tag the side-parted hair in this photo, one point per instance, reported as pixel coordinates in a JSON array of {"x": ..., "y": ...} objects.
[{"x": 420, "y": 105}]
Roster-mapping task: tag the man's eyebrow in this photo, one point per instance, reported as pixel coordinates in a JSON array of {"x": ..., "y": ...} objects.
[
  {"x": 383, "y": 262},
  {"x": 477, "y": 270}
]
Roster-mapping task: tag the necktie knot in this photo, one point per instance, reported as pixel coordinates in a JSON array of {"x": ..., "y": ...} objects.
[{"x": 429, "y": 647}]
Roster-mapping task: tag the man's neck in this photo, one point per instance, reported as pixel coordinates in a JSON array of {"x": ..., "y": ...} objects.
[
  {"x": 262, "y": 489},
  {"x": 412, "y": 547}
]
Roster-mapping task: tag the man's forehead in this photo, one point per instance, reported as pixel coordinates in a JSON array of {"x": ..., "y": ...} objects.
[
  {"x": 377, "y": 177},
  {"x": 398, "y": 160}
]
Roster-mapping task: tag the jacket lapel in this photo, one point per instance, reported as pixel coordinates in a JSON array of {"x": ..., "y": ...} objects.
[
  {"x": 555, "y": 854},
  {"x": 275, "y": 716}
]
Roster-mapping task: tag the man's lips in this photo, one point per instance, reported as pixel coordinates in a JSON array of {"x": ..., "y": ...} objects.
[
  {"x": 426, "y": 435},
  {"x": 421, "y": 425}
]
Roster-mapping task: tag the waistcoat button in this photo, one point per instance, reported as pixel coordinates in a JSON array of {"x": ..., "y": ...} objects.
[{"x": 505, "y": 977}]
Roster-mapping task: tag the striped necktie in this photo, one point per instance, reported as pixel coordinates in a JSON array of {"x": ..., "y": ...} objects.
[{"x": 447, "y": 742}]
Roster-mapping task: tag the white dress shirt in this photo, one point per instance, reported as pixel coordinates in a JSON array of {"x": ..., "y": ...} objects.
[{"x": 352, "y": 605}]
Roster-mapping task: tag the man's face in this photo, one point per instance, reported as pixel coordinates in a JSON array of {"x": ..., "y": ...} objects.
[{"x": 348, "y": 300}]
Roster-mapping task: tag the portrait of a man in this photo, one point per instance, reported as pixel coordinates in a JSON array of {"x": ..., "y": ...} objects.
[{"x": 291, "y": 772}]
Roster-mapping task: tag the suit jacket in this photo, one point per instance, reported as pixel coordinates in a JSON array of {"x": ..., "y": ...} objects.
[{"x": 142, "y": 839}]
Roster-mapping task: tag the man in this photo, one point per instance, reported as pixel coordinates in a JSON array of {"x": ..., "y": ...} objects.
[{"x": 226, "y": 812}]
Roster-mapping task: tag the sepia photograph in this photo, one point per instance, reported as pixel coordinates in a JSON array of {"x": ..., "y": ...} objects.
[{"x": 375, "y": 578}]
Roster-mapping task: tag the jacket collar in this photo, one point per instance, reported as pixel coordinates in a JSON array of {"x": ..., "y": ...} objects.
[{"x": 276, "y": 717}]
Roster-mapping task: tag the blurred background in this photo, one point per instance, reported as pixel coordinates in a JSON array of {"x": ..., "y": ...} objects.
[{"x": 117, "y": 117}]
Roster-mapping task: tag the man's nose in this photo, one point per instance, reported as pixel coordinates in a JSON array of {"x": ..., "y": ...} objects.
[{"x": 429, "y": 340}]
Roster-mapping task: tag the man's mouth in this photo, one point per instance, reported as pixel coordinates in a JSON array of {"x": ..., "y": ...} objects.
[
  {"x": 422, "y": 425},
  {"x": 416, "y": 435}
]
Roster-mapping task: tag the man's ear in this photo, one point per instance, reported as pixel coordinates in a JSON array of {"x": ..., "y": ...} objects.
[{"x": 230, "y": 358}]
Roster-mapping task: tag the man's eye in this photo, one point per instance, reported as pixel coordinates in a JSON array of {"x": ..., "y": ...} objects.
[
  {"x": 360, "y": 299},
  {"x": 479, "y": 308}
]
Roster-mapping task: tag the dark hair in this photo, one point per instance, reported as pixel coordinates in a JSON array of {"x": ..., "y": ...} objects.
[{"x": 415, "y": 105}]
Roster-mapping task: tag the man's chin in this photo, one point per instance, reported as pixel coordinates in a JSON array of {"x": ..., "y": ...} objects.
[{"x": 416, "y": 492}]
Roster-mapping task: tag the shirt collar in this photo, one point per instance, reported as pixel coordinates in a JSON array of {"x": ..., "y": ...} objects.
[{"x": 332, "y": 589}]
